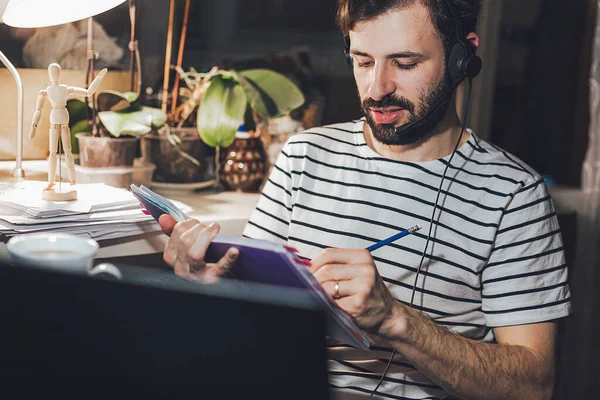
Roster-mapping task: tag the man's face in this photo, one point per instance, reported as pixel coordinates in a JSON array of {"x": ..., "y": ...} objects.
[{"x": 399, "y": 67}]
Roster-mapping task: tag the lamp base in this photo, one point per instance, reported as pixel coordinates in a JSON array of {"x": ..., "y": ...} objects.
[
  {"x": 18, "y": 173},
  {"x": 60, "y": 194}
]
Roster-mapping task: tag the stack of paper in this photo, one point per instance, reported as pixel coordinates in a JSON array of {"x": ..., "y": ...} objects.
[{"x": 100, "y": 212}]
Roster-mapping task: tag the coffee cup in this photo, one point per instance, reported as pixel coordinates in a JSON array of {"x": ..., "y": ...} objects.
[{"x": 60, "y": 252}]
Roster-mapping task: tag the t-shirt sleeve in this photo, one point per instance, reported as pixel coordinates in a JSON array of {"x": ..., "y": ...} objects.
[
  {"x": 525, "y": 278},
  {"x": 271, "y": 218}
]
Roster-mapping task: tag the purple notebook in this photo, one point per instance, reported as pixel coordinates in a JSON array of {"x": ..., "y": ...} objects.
[
  {"x": 277, "y": 264},
  {"x": 268, "y": 263}
]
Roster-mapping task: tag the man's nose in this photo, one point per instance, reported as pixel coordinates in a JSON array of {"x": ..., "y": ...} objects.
[{"x": 382, "y": 82}]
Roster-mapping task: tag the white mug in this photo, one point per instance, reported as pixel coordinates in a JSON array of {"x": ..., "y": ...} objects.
[{"x": 58, "y": 251}]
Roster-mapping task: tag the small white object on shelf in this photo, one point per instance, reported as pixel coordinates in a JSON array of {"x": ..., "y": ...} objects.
[{"x": 140, "y": 174}]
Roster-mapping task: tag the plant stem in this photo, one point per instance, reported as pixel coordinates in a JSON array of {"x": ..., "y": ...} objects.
[
  {"x": 135, "y": 65},
  {"x": 165, "y": 96},
  {"x": 180, "y": 56}
]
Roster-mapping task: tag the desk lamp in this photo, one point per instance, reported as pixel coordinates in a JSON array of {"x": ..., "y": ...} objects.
[{"x": 43, "y": 13}]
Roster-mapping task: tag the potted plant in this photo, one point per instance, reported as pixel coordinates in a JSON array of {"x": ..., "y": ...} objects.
[
  {"x": 222, "y": 102},
  {"x": 122, "y": 121},
  {"x": 180, "y": 155}
]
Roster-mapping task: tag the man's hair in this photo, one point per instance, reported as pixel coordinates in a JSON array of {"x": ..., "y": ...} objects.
[{"x": 351, "y": 12}]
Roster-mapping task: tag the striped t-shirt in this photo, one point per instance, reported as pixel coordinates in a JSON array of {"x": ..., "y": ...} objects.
[{"x": 495, "y": 258}]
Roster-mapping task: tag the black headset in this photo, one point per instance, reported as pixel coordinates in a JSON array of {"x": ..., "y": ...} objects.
[{"x": 462, "y": 60}]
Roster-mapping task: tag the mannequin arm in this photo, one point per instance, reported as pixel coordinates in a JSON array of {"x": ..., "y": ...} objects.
[
  {"x": 38, "y": 113},
  {"x": 76, "y": 91}
]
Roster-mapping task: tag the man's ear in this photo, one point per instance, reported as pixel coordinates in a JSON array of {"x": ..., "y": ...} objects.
[{"x": 473, "y": 38}]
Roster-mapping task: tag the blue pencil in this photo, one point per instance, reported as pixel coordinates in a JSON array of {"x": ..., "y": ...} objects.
[{"x": 394, "y": 238}]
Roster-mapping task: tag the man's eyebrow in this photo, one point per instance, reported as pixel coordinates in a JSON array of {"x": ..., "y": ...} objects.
[{"x": 403, "y": 54}]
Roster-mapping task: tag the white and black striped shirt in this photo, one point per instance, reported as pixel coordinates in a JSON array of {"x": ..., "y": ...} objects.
[{"x": 496, "y": 257}]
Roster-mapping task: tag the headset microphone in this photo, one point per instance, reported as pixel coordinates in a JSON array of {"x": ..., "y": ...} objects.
[{"x": 405, "y": 129}]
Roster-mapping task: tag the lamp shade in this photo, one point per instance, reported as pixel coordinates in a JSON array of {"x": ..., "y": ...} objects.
[
  {"x": 41, "y": 13},
  {"x": 3, "y": 4}
]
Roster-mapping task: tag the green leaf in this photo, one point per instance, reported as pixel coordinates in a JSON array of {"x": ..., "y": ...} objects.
[
  {"x": 110, "y": 100},
  {"x": 81, "y": 126},
  {"x": 136, "y": 123},
  {"x": 221, "y": 112},
  {"x": 132, "y": 97},
  {"x": 270, "y": 94},
  {"x": 158, "y": 118}
]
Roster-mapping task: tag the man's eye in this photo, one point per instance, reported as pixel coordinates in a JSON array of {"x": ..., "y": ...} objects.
[
  {"x": 365, "y": 64},
  {"x": 407, "y": 66}
]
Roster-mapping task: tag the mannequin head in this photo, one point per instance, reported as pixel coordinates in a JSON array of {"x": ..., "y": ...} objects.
[{"x": 54, "y": 72}]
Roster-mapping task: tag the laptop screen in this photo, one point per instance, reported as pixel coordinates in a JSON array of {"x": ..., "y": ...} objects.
[{"x": 154, "y": 334}]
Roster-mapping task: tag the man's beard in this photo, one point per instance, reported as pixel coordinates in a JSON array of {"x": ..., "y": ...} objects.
[{"x": 386, "y": 133}]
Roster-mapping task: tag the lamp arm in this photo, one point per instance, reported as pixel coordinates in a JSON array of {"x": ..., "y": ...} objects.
[{"x": 18, "y": 172}]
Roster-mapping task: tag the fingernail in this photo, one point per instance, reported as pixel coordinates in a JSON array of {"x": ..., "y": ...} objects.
[
  {"x": 306, "y": 262},
  {"x": 290, "y": 248},
  {"x": 234, "y": 253}
]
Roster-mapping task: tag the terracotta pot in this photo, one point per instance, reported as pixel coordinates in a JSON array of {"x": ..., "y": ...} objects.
[
  {"x": 244, "y": 164},
  {"x": 182, "y": 158},
  {"x": 98, "y": 152}
]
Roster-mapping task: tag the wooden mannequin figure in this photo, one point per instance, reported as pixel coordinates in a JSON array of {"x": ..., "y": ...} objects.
[{"x": 58, "y": 95}]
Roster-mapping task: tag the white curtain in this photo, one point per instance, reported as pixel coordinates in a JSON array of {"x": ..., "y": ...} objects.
[
  {"x": 588, "y": 254},
  {"x": 590, "y": 184},
  {"x": 584, "y": 327}
]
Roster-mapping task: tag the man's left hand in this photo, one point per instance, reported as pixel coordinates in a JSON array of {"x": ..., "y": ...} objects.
[{"x": 351, "y": 278}]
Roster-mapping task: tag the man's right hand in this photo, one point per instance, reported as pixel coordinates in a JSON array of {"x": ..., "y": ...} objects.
[{"x": 187, "y": 246}]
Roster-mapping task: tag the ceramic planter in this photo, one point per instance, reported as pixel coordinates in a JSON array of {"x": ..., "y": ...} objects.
[
  {"x": 179, "y": 154},
  {"x": 98, "y": 152}
]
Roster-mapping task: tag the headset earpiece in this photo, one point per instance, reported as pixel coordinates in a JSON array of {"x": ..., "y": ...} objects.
[
  {"x": 347, "y": 54},
  {"x": 462, "y": 60}
]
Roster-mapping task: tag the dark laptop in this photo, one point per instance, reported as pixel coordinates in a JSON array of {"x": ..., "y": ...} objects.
[{"x": 155, "y": 335}]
